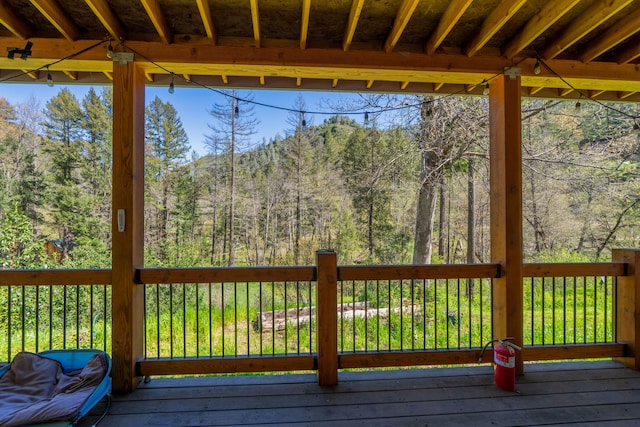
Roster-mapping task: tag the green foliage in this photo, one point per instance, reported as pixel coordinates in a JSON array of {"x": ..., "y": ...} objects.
[{"x": 18, "y": 248}]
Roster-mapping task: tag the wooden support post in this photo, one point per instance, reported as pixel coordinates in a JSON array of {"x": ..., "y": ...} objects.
[
  {"x": 327, "y": 317},
  {"x": 505, "y": 154},
  {"x": 628, "y": 306},
  {"x": 127, "y": 223}
]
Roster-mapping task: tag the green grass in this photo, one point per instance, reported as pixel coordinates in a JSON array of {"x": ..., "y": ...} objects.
[{"x": 219, "y": 320}]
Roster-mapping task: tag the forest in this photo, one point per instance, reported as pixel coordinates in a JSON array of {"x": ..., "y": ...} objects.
[{"x": 408, "y": 185}]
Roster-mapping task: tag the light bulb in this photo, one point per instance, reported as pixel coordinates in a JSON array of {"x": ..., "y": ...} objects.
[
  {"x": 485, "y": 90},
  {"x": 536, "y": 68},
  {"x": 49, "y": 80},
  {"x": 110, "y": 51}
]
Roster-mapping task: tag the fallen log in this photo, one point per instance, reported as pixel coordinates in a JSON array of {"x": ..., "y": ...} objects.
[{"x": 279, "y": 319}]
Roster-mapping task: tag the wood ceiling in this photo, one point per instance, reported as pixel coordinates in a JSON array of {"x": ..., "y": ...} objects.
[{"x": 585, "y": 47}]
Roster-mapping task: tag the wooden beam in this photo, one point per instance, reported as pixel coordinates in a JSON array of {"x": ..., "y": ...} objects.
[
  {"x": 533, "y": 90},
  {"x": 613, "y": 36},
  {"x": 255, "y": 19},
  {"x": 128, "y": 232},
  {"x": 298, "y": 82},
  {"x": 595, "y": 93},
  {"x": 334, "y": 82},
  {"x": 326, "y": 319},
  {"x": 152, "y": 7},
  {"x": 403, "y": 85},
  {"x": 402, "y": 19},
  {"x": 625, "y": 95},
  {"x": 354, "y": 66},
  {"x": 496, "y": 20},
  {"x": 109, "y": 20},
  {"x": 109, "y": 75},
  {"x": 628, "y": 306},
  {"x": 352, "y": 23},
  {"x": 582, "y": 25},
  {"x": 13, "y": 23},
  {"x": 35, "y": 75},
  {"x": 304, "y": 26},
  {"x": 628, "y": 54},
  {"x": 207, "y": 21},
  {"x": 225, "y": 79},
  {"x": 505, "y": 154},
  {"x": 58, "y": 17},
  {"x": 448, "y": 20},
  {"x": 370, "y": 83},
  {"x": 547, "y": 16},
  {"x": 73, "y": 75},
  {"x": 262, "y": 81},
  {"x": 437, "y": 86},
  {"x": 565, "y": 91}
]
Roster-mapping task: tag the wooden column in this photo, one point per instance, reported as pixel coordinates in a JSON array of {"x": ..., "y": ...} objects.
[
  {"x": 505, "y": 155},
  {"x": 128, "y": 231},
  {"x": 327, "y": 317},
  {"x": 628, "y": 306}
]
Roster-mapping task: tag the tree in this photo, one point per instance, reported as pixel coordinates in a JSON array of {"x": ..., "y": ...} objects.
[
  {"x": 235, "y": 123},
  {"x": 167, "y": 146},
  {"x": 63, "y": 143}
]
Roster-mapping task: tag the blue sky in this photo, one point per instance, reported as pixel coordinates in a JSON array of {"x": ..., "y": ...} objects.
[{"x": 193, "y": 104}]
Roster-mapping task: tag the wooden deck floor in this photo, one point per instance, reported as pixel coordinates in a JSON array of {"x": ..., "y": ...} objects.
[{"x": 584, "y": 393}]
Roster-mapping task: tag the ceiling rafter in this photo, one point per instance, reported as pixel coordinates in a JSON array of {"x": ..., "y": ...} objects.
[
  {"x": 255, "y": 19},
  {"x": 73, "y": 75},
  {"x": 629, "y": 54},
  {"x": 496, "y": 20},
  {"x": 207, "y": 20},
  {"x": 612, "y": 37},
  {"x": 157, "y": 18},
  {"x": 352, "y": 23},
  {"x": 58, "y": 17},
  {"x": 590, "y": 19},
  {"x": 402, "y": 19},
  {"x": 547, "y": 16},
  {"x": 109, "y": 20},
  {"x": 304, "y": 26},
  {"x": 35, "y": 75},
  {"x": 12, "y": 23},
  {"x": 449, "y": 19}
]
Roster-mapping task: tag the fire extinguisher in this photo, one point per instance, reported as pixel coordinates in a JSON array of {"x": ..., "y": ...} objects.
[{"x": 504, "y": 360}]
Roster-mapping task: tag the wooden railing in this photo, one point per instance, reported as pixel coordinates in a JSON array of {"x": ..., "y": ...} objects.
[{"x": 399, "y": 315}]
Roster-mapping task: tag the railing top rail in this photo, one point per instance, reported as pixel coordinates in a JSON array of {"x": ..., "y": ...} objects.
[
  {"x": 418, "y": 272},
  {"x": 44, "y": 277},
  {"x": 226, "y": 275},
  {"x": 576, "y": 269}
]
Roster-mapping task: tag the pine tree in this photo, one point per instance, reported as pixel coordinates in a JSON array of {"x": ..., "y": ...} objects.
[
  {"x": 167, "y": 146},
  {"x": 63, "y": 132}
]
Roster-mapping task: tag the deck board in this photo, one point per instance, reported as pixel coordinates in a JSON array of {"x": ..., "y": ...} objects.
[{"x": 597, "y": 393}]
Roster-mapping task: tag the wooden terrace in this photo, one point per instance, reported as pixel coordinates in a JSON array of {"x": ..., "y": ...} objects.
[
  {"x": 565, "y": 49},
  {"x": 602, "y": 393}
]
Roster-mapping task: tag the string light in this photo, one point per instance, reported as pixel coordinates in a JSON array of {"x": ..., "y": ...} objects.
[
  {"x": 171, "y": 85},
  {"x": 578, "y": 107},
  {"x": 110, "y": 51},
  {"x": 537, "y": 68},
  {"x": 49, "y": 78},
  {"x": 485, "y": 90},
  {"x": 236, "y": 111}
]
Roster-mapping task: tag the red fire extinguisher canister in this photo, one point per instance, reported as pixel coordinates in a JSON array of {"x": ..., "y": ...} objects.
[{"x": 504, "y": 360}]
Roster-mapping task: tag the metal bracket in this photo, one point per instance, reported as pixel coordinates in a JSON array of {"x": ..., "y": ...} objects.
[
  {"x": 122, "y": 57},
  {"x": 512, "y": 72}
]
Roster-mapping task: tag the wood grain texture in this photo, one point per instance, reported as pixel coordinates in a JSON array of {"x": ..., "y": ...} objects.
[{"x": 580, "y": 393}]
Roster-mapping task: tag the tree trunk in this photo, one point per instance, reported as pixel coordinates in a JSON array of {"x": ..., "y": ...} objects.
[{"x": 425, "y": 216}]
